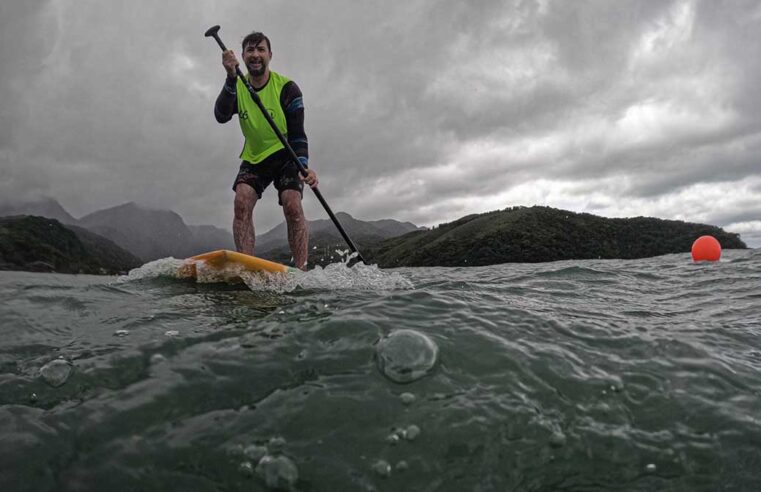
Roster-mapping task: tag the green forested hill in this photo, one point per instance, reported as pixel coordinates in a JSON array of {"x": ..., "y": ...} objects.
[
  {"x": 42, "y": 244},
  {"x": 536, "y": 234}
]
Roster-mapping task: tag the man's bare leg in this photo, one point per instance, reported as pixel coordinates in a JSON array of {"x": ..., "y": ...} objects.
[
  {"x": 243, "y": 223},
  {"x": 298, "y": 234}
]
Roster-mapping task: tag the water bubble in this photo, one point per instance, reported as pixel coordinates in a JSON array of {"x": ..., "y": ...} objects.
[
  {"x": 276, "y": 445},
  {"x": 401, "y": 466},
  {"x": 56, "y": 372},
  {"x": 171, "y": 333},
  {"x": 407, "y": 398},
  {"x": 650, "y": 468},
  {"x": 393, "y": 438},
  {"x": 121, "y": 333},
  {"x": 412, "y": 432},
  {"x": 157, "y": 359},
  {"x": 33, "y": 398},
  {"x": 254, "y": 452},
  {"x": 235, "y": 450},
  {"x": 557, "y": 439},
  {"x": 406, "y": 355},
  {"x": 278, "y": 472},
  {"x": 246, "y": 468},
  {"x": 382, "y": 468}
]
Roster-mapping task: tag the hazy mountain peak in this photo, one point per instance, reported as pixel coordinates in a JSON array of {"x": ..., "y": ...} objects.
[
  {"x": 43, "y": 207},
  {"x": 323, "y": 232},
  {"x": 126, "y": 206}
]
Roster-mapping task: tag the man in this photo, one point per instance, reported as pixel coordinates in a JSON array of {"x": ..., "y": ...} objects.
[{"x": 265, "y": 160}]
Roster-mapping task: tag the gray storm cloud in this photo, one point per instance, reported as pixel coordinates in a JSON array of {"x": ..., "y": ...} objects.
[{"x": 420, "y": 110}]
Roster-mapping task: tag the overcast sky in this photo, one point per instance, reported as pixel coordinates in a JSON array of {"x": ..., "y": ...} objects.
[{"x": 419, "y": 110}]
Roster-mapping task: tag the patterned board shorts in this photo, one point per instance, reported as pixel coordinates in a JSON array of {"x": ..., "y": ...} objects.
[{"x": 282, "y": 171}]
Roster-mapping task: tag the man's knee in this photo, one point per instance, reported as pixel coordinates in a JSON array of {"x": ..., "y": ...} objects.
[
  {"x": 291, "y": 201},
  {"x": 245, "y": 198}
]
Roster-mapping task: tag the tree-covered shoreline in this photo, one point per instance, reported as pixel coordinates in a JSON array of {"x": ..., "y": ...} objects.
[
  {"x": 540, "y": 234},
  {"x": 514, "y": 235}
]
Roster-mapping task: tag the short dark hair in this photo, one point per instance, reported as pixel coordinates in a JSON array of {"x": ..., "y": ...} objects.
[{"x": 255, "y": 38}]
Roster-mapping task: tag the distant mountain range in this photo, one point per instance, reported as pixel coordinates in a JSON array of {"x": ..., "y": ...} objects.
[
  {"x": 147, "y": 234},
  {"x": 39, "y": 244},
  {"x": 152, "y": 234},
  {"x": 517, "y": 234},
  {"x": 324, "y": 237}
]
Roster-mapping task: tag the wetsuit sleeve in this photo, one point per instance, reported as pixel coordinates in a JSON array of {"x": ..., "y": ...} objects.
[
  {"x": 293, "y": 107},
  {"x": 227, "y": 102}
]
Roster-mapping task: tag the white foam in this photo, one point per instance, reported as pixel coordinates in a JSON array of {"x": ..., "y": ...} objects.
[
  {"x": 164, "y": 267},
  {"x": 231, "y": 273},
  {"x": 336, "y": 276},
  {"x": 171, "y": 268}
]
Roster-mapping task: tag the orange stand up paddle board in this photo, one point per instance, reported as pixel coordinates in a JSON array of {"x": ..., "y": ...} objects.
[{"x": 224, "y": 259}]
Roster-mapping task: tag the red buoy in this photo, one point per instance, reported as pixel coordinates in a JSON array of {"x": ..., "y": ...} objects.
[{"x": 706, "y": 248}]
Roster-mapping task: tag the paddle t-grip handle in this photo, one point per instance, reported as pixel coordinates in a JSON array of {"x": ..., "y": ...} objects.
[{"x": 212, "y": 32}]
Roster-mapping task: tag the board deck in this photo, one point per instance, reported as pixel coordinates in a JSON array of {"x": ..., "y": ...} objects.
[{"x": 226, "y": 259}]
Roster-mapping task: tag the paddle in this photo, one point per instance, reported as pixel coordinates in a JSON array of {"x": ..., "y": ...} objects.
[{"x": 212, "y": 32}]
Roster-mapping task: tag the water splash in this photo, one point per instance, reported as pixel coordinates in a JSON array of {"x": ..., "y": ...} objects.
[
  {"x": 205, "y": 274},
  {"x": 172, "y": 268},
  {"x": 164, "y": 267},
  {"x": 335, "y": 276}
]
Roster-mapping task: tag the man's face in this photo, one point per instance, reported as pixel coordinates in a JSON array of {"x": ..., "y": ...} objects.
[{"x": 257, "y": 57}]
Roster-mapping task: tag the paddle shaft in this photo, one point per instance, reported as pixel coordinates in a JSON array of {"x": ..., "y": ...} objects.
[{"x": 213, "y": 32}]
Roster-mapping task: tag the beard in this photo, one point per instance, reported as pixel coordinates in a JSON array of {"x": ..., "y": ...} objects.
[{"x": 256, "y": 72}]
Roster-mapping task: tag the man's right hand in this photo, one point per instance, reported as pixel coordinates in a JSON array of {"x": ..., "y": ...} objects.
[{"x": 229, "y": 62}]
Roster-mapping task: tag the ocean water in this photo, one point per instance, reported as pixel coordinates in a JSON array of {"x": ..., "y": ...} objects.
[{"x": 575, "y": 375}]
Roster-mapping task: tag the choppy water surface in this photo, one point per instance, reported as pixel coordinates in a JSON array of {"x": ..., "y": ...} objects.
[{"x": 583, "y": 375}]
